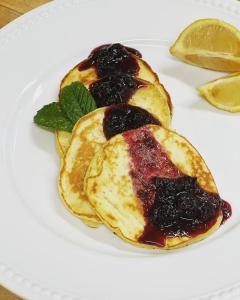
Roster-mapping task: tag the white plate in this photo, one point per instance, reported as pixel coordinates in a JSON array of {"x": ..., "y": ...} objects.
[{"x": 45, "y": 252}]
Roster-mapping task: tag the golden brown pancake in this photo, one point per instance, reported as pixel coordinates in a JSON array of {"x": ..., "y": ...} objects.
[
  {"x": 87, "y": 138},
  {"x": 117, "y": 187}
]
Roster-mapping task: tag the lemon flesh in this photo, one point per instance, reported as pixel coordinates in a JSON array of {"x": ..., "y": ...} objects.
[
  {"x": 211, "y": 44},
  {"x": 223, "y": 93}
]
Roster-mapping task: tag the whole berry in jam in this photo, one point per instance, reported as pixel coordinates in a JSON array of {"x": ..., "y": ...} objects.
[
  {"x": 110, "y": 59},
  {"x": 181, "y": 206},
  {"x": 114, "y": 89},
  {"x": 122, "y": 117}
]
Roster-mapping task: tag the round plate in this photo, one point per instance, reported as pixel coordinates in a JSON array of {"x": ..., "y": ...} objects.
[{"x": 46, "y": 253}]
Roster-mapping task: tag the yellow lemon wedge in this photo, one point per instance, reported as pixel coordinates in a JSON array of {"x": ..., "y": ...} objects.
[
  {"x": 223, "y": 93},
  {"x": 211, "y": 44}
]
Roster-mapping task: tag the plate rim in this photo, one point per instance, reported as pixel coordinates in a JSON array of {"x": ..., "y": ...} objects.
[{"x": 11, "y": 279}]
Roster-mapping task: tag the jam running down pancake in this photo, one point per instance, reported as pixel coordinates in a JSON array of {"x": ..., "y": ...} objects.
[
  {"x": 114, "y": 73},
  {"x": 153, "y": 189},
  {"x": 88, "y": 136}
]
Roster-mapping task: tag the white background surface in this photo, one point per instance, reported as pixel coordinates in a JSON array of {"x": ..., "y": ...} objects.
[{"x": 45, "y": 252}]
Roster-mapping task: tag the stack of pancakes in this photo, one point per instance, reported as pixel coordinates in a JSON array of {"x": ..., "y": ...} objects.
[{"x": 96, "y": 179}]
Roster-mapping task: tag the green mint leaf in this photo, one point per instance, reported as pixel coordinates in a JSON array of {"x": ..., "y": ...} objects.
[
  {"x": 52, "y": 117},
  {"x": 85, "y": 98},
  {"x": 76, "y": 101}
]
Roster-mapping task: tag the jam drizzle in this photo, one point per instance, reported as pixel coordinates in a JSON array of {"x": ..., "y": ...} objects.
[
  {"x": 226, "y": 210},
  {"x": 110, "y": 59},
  {"x": 122, "y": 117},
  {"x": 114, "y": 89},
  {"x": 174, "y": 204}
]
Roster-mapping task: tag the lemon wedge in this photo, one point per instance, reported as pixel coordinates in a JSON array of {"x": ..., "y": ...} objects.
[
  {"x": 211, "y": 44},
  {"x": 223, "y": 93}
]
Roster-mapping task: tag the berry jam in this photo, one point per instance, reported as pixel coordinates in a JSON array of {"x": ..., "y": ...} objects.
[
  {"x": 148, "y": 160},
  {"x": 114, "y": 89},
  {"x": 110, "y": 59},
  {"x": 122, "y": 117},
  {"x": 227, "y": 210},
  {"x": 174, "y": 204},
  {"x": 181, "y": 206}
]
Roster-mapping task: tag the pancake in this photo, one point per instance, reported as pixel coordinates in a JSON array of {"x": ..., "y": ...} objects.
[
  {"x": 63, "y": 139},
  {"x": 153, "y": 189},
  {"x": 147, "y": 97},
  {"x": 88, "y": 136}
]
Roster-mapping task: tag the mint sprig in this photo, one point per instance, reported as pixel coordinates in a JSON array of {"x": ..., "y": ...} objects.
[
  {"x": 75, "y": 101},
  {"x": 52, "y": 117}
]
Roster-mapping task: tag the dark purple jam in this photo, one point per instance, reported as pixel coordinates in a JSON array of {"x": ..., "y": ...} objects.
[
  {"x": 182, "y": 207},
  {"x": 226, "y": 210},
  {"x": 114, "y": 89},
  {"x": 122, "y": 117},
  {"x": 174, "y": 204},
  {"x": 134, "y": 51},
  {"x": 110, "y": 59},
  {"x": 148, "y": 160}
]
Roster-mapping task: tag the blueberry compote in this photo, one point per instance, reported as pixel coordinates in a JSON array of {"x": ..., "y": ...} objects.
[
  {"x": 181, "y": 206},
  {"x": 122, "y": 117},
  {"x": 110, "y": 59},
  {"x": 174, "y": 204},
  {"x": 114, "y": 89}
]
